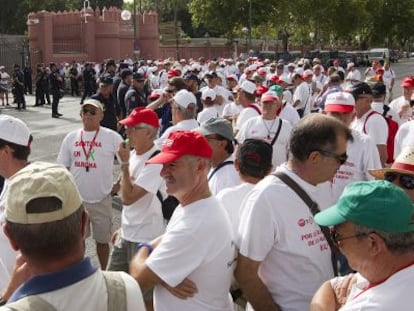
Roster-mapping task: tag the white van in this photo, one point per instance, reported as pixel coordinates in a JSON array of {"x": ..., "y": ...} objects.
[{"x": 378, "y": 54}]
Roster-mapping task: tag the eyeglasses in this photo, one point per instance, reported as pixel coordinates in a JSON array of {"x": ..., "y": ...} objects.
[
  {"x": 406, "y": 181},
  {"x": 341, "y": 158},
  {"x": 91, "y": 110},
  {"x": 336, "y": 238}
]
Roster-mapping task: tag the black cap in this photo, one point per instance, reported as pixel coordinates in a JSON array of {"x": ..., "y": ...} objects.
[
  {"x": 110, "y": 62},
  {"x": 125, "y": 72},
  {"x": 211, "y": 74},
  {"x": 138, "y": 77},
  {"x": 255, "y": 157},
  {"x": 106, "y": 79},
  {"x": 123, "y": 65},
  {"x": 378, "y": 89},
  {"x": 190, "y": 76},
  {"x": 358, "y": 89}
]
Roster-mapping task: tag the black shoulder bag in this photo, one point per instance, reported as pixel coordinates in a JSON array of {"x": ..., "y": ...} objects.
[{"x": 313, "y": 206}]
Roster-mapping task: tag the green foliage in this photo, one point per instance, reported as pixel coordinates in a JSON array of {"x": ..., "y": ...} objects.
[{"x": 373, "y": 22}]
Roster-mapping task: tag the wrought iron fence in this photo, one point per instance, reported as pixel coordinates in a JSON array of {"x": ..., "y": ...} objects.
[{"x": 14, "y": 50}]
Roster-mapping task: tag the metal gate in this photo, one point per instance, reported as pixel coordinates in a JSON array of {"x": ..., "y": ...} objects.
[
  {"x": 14, "y": 50},
  {"x": 67, "y": 38}
]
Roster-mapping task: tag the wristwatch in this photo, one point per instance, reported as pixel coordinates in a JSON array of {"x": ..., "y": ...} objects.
[
  {"x": 146, "y": 245},
  {"x": 2, "y": 301}
]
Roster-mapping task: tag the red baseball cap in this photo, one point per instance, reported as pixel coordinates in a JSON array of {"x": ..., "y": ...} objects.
[
  {"x": 274, "y": 78},
  {"x": 269, "y": 97},
  {"x": 181, "y": 143},
  {"x": 261, "y": 89},
  {"x": 407, "y": 82},
  {"x": 174, "y": 73},
  {"x": 141, "y": 115}
]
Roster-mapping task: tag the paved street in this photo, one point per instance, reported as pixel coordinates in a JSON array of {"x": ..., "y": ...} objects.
[{"x": 48, "y": 133}]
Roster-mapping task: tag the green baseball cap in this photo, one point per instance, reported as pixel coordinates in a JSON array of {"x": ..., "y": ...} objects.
[
  {"x": 375, "y": 204},
  {"x": 277, "y": 89}
]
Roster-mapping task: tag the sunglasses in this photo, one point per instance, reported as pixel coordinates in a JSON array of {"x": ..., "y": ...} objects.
[
  {"x": 341, "y": 158},
  {"x": 91, "y": 110},
  {"x": 406, "y": 181}
]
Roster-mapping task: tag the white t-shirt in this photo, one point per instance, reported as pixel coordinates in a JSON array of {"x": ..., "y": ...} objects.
[
  {"x": 303, "y": 94},
  {"x": 198, "y": 245},
  {"x": 396, "y": 293},
  {"x": 91, "y": 294},
  {"x": 225, "y": 177},
  {"x": 375, "y": 127},
  {"x": 7, "y": 254},
  {"x": 185, "y": 125},
  {"x": 231, "y": 200},
  {"x": 231, "y": 109},
  {"x": 353, "y": 75},
  {"x": 142, "y": 221},
  {"x": 206, "y": 114},
  {"x": 95, "y": 184},
  {"x": 246, "y": 114},
  {"x": 290, "y": 114},
  {"x": 404, "y": 137},
  {"x": 4, "y": 78},
  {"x": 266, "y": 130},
  {"x": 379, "y": 107},
  {"x": 396, "y": 105},
  {"x": 362, "y": 156},
  {"x": 387, "y": 77},
  {"x": 278, "y": 230}
]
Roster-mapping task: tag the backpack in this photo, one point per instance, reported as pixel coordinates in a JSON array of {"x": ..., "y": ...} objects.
[
  {"x": 392, "y": 131},
  {"x": 168, "y": 204},
  {"x": 117, "y": 300}
]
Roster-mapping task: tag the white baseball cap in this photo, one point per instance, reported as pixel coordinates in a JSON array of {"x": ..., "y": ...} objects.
[
  {"x": 14, "y": 130},
  {"x": 340, "y": 102},
  {"x": 208, "y": 93},
  {"x": 184, "y": 98},
  {"x": 248, "y": 87}
]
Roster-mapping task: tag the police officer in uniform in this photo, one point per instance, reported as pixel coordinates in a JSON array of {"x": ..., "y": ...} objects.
[
  {"x": 136, "y": 95},
  {"x": 88, "y": 76},
  {"x": 126, "y": 81},
  {"x": 104, "y": 95},
  {"x": 74, "y": 75},
  {"x": 56, "y": 85},
  {"x": 18, "y": 87}
]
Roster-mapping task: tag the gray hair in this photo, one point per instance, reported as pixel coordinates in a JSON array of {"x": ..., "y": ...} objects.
[
  {"x": 188, "y": 113},
  {"x": 397, "y": 243},
  {"x": 153, "y": 130}
]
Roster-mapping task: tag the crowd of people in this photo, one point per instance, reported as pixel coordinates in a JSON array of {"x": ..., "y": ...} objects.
[{"x": 291, "y": 184}]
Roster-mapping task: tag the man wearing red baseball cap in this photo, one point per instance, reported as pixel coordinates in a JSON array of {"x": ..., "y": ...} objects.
[
  {"x": 142, "y": 218},
  {"x": 361, "y": 151},
  {"x": 402, "y": 105},
  {"x": 196, "y": 252}
]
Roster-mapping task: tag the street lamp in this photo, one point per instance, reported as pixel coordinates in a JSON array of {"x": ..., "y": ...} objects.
[
  {"x": 86, "y": 5},
  {"x": 126, "y": 16},
  {"x": 358, "y": 40},
  {"x": 312, "y": 36},
  {"x": 250, "y": 24},
  {"x": 245, "y": 31}
]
